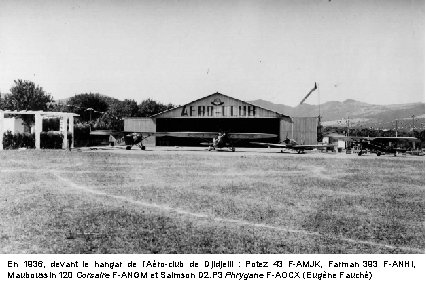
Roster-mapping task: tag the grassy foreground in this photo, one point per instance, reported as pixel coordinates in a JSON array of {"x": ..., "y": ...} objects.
[{"x": 209, "y": 202}]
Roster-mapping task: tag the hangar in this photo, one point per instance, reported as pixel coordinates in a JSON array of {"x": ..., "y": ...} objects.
[{"x": 221, "y": 113}]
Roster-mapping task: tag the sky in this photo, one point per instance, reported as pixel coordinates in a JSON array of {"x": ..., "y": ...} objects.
[{"x": 179, "y": 51}]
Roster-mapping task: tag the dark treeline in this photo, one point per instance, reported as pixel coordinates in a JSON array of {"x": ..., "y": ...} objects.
[
  {"x": 103, "y": 112},
  {"x": 95, "y": 110}
]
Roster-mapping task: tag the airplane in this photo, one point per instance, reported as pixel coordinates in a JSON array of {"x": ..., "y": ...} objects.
[
  {"x": 377, "y": 144},
  {"x": 219, "y": 140},
  {"x": 293, "y": 145}
]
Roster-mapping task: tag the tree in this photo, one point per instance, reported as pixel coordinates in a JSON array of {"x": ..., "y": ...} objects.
[
  {"x": 25, "y": 95},
  {"x": 89, "y": 106},
  {"x": 113, "y": 118},
  {"x": 1, "y": 102},
  {"x": 129, "y": 108},
  {"x": 150, "y": 107}
]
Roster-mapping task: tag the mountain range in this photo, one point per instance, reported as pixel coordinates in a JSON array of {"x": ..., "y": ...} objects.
[{"x": 360, "y": 114}]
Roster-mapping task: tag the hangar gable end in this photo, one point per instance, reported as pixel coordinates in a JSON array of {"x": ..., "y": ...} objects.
[{"x": 218, "y": 105}]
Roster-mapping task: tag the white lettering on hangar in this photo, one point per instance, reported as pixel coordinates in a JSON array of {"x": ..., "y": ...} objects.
[{"x": 218, "y": 111}]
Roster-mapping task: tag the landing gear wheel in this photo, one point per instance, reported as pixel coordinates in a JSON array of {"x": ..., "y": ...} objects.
[
  {"x": 233, "y": 149},
  {"x": 211, "y": 148},
  {"x": 378, "y": 153},
  {"x": 143, "y": 148},
  {"x": 128, "y": 147}
]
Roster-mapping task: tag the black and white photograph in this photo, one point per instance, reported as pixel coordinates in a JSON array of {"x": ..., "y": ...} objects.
[{"x": 212, "y": 127}]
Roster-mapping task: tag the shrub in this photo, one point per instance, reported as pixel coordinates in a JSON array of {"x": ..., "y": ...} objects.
[
  {"x": 51, "y": 124},
  {"x": 48, "y": 140},
  {"x": 81, "y": 134},
  {"x": 53, "y": 139},
  {"x": 18, "y": 140}
]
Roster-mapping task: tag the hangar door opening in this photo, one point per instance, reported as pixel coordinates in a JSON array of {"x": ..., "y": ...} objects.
[{"x": 241, "y": 125}]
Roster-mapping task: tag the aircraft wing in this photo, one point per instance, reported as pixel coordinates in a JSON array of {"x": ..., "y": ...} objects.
[
  {"x": 105, "y": 132},
  {"x": 311, "y": 146},
  {"x": 177, "y": 134},
  {"x": 186, "y": 134},
  {"x": 249, "y": 136},
  {"x": 272, "y": 145},
  {"x": 396, "y": 138},
  {"x": 386, "y": 138},
  {"x": 296, "y": 147}
]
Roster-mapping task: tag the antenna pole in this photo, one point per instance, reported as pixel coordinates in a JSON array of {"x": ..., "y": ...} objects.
[
  {"x": 319, "y": 127},
  {"x": 319, "y": 105}
]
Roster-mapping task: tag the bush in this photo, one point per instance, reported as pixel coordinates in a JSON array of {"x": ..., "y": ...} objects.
[
  {"x": 81, "y": 134},
  {"x": 53, "y": 139},
  {"x": 51, "y": 124},
  {"x": 48, "y": 140},
  {"x": 18, "y": 140}
]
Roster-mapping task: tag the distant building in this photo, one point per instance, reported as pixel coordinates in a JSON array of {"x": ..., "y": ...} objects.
[{"x": 339, "y": 140}]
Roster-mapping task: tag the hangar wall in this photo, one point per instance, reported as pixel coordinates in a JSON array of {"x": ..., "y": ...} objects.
[
  {"x": 303, "y": 130},
  {"x": 141, "y": 124}
]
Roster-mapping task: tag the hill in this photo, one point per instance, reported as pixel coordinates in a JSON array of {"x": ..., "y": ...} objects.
[{"x": 334, "y": 113}]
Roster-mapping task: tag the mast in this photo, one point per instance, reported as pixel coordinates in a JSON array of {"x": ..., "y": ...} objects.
[{"x": 319, "y": 105}]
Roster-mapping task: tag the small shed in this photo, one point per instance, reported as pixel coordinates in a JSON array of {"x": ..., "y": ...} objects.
[{"x": 338, "y": 140}]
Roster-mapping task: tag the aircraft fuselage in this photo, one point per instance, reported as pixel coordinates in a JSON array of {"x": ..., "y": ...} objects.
[{"x": 221, "y": 141}]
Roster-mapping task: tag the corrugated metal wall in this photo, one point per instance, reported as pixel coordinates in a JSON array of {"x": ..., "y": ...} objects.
[
  {"x": 141, "y": 124},
  {"x": 303, "y": 130}
]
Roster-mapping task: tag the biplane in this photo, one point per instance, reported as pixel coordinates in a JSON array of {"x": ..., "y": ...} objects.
[{"x": 383, "y": 145}]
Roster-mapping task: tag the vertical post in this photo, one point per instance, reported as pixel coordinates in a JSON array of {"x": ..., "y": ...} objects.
[
  {"x": 38, "y": 125},
  {"x": 64, "y": 132},
  {"x": 347, "y": 141},
  {"x": 71, "y": 126},
  {"x": 347, "y": 130},
  {"x": 319, "y": 101},
  {"x": 1, "y": 129},
  {"x": 413, "y": 116},
  {"x": 396, "y": 128}
]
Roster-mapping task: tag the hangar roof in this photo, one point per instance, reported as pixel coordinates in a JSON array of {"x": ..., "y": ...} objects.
[{"x": 218, "y": 105}]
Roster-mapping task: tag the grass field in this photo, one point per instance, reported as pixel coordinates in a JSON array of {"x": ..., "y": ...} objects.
[{"x": 182, "y": 201}]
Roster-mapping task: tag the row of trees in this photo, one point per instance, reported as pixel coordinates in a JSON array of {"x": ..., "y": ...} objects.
[{"x": 101, "y": 112}]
